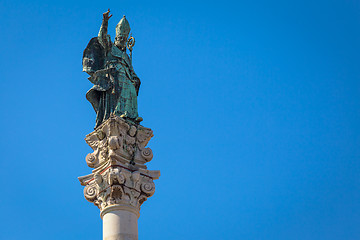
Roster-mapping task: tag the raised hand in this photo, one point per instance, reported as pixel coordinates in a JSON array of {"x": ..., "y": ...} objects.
[{"x": 106, "y": 16}]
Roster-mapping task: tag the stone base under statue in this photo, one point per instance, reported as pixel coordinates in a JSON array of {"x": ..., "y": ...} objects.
[{"x": 120, "y": 181}]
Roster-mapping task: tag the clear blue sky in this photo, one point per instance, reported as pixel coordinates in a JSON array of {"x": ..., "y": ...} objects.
[{"x": 254, "y": 106}]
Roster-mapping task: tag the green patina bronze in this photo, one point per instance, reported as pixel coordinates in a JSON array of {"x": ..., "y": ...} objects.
[{"x": 116, "y": 85}]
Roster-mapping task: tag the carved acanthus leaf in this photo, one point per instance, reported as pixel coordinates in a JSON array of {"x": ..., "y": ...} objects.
[{"x": 117, "y": 184}]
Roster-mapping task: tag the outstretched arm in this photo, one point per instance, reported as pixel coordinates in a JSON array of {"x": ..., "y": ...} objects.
[{"x": 102, "y": 37}]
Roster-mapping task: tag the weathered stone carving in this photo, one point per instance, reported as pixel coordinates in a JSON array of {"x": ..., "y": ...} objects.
[
  {"x": 120, "y": 175},
  {"x": 119, "y": 185},
  {"x": 119, "y": 141}
]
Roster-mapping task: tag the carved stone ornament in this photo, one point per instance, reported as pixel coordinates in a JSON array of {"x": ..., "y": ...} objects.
[
  {"x": 119, "y": 141},
  {"x": 120, "y": 176}
]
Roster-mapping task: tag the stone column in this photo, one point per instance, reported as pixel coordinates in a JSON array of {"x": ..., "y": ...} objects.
[
  {"x": 119, "y": 223},
  {"x": 120, "y": 181}
]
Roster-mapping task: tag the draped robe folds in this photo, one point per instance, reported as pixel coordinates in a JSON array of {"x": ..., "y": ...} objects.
[{"x": 115, "y": 83}]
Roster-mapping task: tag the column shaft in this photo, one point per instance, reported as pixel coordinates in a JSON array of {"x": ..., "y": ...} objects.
[{"x": 120, "y": 225}]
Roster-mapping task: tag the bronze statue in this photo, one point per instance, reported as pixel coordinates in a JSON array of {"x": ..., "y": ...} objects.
[{"x": 116, "y": 85}]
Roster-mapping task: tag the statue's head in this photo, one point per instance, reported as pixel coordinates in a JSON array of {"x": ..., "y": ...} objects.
[{"x": 122, "y": 33}]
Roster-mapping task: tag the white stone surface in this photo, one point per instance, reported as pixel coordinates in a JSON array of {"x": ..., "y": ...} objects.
[
  {"x": 117, "y": 140},
  {"x": 120, "y": 225},
  {"x": 120, "y": 182}
]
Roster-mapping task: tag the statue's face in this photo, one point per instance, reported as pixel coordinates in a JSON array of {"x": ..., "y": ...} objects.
[{"x": 120, "y": 41}]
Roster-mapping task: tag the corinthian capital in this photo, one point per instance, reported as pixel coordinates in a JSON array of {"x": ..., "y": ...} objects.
[
  {"x": 117, "y": 184},
  {"x": 120, "y": 176}
]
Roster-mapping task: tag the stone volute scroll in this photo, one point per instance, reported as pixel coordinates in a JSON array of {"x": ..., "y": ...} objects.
[{"x": 120, "y": 181}]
